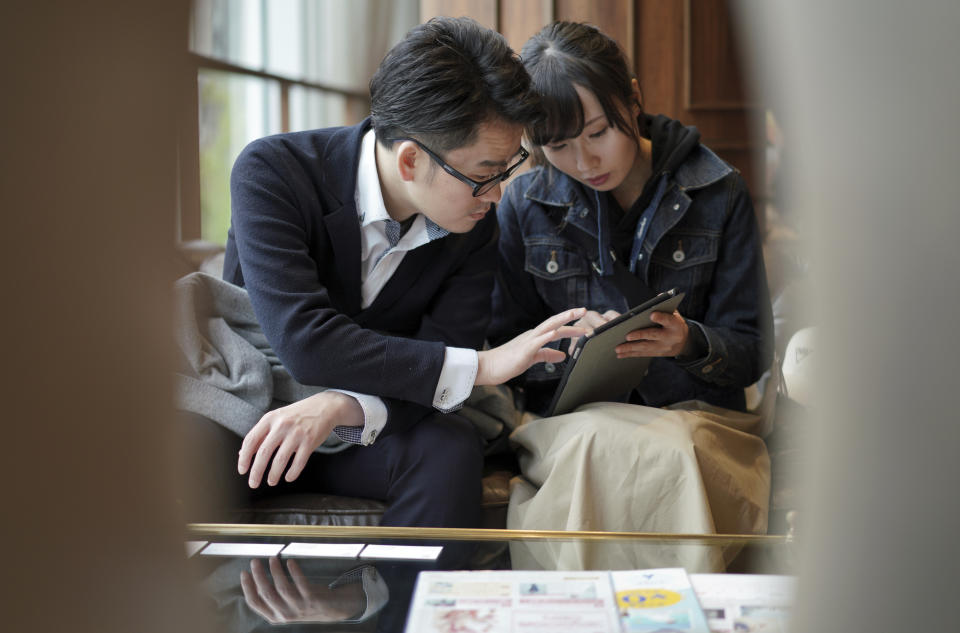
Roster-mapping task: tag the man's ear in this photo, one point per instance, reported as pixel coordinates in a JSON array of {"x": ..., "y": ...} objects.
[{"x": 407, "y": 156}]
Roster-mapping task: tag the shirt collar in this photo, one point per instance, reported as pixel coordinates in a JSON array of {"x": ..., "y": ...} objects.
[{"x": 369, "y": 195}]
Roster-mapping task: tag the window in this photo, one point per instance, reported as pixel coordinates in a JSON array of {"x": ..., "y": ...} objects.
[{"x": 270, "y": 66}]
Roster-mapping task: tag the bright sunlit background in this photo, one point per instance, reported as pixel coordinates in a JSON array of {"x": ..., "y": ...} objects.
[{"x": 282, "y": 67}]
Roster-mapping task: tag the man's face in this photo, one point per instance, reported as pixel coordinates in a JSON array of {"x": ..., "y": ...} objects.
[{"x": 449, "y": 202}]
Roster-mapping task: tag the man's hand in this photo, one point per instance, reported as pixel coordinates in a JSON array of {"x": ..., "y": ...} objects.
[
  {"x": 500, "y": 364},
  {"x": 294, "y": 431},
  {"x": 667, "y": 340},
  {"x": 591, "y": 321},
  {"x": 280, "y": 601}
]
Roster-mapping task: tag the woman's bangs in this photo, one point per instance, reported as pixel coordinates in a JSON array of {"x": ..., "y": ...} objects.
[{"x": 562, "y": 112}]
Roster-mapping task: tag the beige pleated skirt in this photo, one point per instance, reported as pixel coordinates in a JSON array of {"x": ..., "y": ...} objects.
[{"x": 691, "y": 468}]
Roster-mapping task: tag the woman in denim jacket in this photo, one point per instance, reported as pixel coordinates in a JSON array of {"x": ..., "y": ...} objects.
[{"x": 628, "y": 205}]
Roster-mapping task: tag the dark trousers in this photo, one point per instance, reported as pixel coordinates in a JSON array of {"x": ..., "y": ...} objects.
[{"x": 429, "y": 475}]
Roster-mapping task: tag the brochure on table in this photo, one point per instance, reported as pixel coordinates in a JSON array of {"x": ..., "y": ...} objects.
[
  {"x": 657, "y": 600},
  {"x": 554, "y": 602},
  {"x": 744, "y": 603}
]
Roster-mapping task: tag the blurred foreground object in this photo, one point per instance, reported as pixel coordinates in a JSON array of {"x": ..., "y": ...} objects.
[{"x": 88, "y": 191}]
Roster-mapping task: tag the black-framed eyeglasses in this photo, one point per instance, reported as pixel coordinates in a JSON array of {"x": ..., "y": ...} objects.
[{"x": 479, "y": 187}]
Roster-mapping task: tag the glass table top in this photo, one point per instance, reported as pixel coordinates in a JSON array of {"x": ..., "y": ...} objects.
[{"x": 319, "y": 578}]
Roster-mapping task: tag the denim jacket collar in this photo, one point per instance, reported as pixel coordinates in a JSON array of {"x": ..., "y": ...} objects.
[
  {"x": 552, "y": 187},
  {"x": 701, "y": 169},
  {"x": 549, "y": 186}
]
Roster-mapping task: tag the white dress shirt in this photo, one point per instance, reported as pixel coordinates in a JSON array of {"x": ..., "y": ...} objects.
[{"x": 382, "y": 248}]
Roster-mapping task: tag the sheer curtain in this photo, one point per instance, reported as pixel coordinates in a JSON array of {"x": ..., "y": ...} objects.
[{"x": 334, "y": 43}]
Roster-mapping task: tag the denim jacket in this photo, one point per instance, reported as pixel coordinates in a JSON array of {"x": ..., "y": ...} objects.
[{"x": 703, "y": 238}]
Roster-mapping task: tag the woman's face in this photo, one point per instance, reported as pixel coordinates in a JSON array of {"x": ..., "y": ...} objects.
[{"x": 602, "y": 156}]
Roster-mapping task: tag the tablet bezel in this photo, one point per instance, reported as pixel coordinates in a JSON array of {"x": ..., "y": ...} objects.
[{"x": 577, "y": 386}]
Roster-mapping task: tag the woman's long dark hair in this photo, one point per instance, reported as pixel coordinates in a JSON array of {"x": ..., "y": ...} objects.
[{"x": 566, "y": 53}]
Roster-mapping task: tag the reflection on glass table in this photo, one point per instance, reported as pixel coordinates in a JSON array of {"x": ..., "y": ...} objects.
[{"x": 307, "y": 578}]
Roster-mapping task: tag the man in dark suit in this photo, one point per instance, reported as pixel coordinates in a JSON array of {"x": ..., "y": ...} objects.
[{"x": 368, "y": 253}]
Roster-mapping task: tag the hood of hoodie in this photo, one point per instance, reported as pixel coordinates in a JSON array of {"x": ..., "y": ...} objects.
[{"x": 672, "y": 142}]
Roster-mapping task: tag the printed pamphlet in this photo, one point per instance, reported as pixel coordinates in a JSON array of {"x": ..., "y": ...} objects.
[
  {"x": 555, "y": 602},
  {"x": 657, "y": 600},
  {"x": 745, "y": 603}
]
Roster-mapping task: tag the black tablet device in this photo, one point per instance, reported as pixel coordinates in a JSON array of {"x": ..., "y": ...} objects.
[{"x": 594, "y": 373}]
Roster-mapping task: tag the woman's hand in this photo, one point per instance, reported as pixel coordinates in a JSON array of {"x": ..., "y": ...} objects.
[
  {"x": 500, "y": 364},
  {"x": 591, "y": 321},
  {"x": 294, "y": 431},
  {"x": 667, "y": 340}
]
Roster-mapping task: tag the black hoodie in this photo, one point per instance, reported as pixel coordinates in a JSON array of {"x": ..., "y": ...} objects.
[{"x": 672, "y": 142}]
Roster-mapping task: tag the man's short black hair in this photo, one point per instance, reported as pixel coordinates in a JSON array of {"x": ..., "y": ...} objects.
[{"x": 444, "y": 79}]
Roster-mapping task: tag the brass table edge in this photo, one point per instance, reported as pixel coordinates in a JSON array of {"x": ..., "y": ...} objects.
[{"x": 318, "y": 531}]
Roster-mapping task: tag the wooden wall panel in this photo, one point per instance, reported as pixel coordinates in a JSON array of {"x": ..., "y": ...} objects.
[
  {"x": 519, "y": 19},
  {"x": 659, "y": 55},
  {"x": 483, "y": 11},
  {"x": 689, "y": 66},
  {"x": 613, "y": 17},
  {"x": 712, "y": 76},
  {"x": 724, "y": 128}
]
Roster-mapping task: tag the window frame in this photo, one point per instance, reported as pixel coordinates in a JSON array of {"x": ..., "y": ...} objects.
[{"x": 188, "y": 226}]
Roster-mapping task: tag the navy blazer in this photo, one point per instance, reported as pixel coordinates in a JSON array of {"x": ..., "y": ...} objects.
[{"x": 294, "y": 244}]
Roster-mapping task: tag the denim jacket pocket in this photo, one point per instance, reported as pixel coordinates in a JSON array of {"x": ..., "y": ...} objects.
[
  {"x": 553, "y": 259},
  {"x": 686, "y": 259},
  {"x": 560, "y": 271}
]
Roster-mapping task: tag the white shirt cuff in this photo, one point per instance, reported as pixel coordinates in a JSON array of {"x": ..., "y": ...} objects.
[
  {"x": 374, "y": 417},
  {"x": 456, "y": 379}
]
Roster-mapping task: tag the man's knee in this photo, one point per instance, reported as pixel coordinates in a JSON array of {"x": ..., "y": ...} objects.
[
  {"x": 449, "y": 448},
  {"x": 436, "y": 480}
]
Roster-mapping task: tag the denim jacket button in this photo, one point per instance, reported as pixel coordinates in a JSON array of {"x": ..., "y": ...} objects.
[
  {"x": 549, "y": 367},
  {"x": 676, "y": 207},
  {"x": 552, "y": 267},
  {"x": 584, "y": 213},
  {"x": 679, "y": 256}
]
